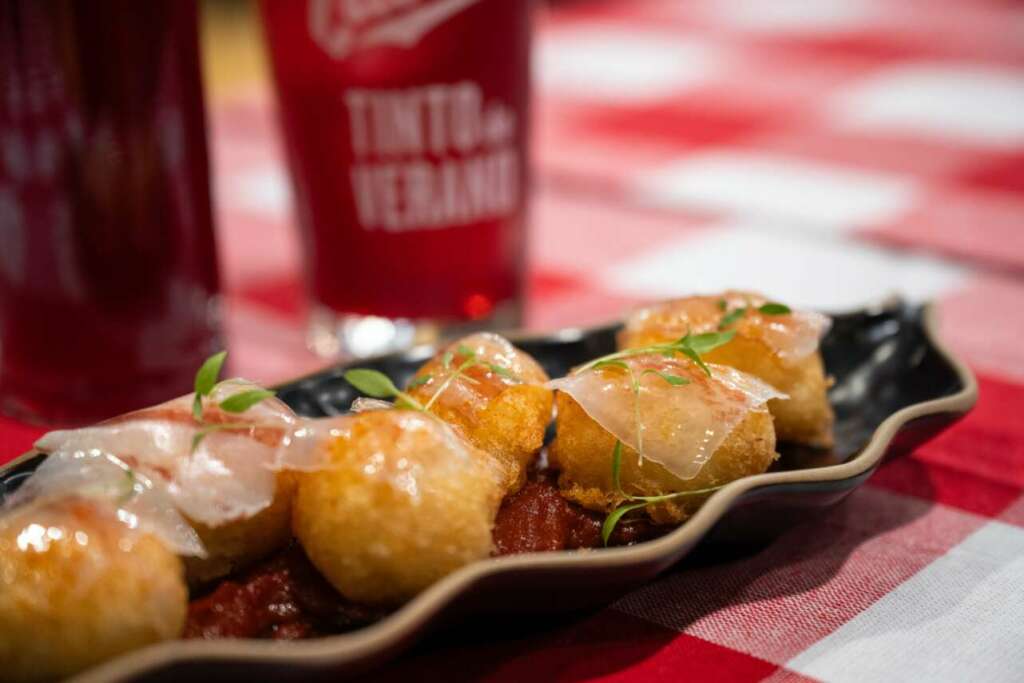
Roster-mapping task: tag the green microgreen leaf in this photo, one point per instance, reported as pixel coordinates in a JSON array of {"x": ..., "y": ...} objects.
[
  {"x": 501, "y": 371},
  {"x": 695, "y": 357},
  {"x": 709, "y": 341},
  {"x": 609, "y": 364},
  {"x": 674, "y": 380},
  {"x": 616, "y": 466},
  {"x": 205, "y": 381},
  {"x": 404, "y": 400},
  {"x": 209, "y": 371},
  {"x": 774, "y": 308},
  {"x": 472, "y": 359},
  {"x": 378, "y": 385},
  {"x": 731, "y": 317},
  {"x": 723, "y": 305},
  {"x": 692, "y": 346},
  {"x": 612, "y": 359},
  {"x": 637, "y": 502},
  {"x": 679, "y": 494},
  {"x": 243, "y": 400},
  {"x": 419, "y": 381},
  {"x": 453, "y": 375},
  {"x": 372, "y": 383},
  {"x": 612, "y": 520}
]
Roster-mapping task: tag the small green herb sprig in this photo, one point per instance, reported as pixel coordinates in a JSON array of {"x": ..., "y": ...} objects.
[
  {"x": 634, "y": 385},
  {"x": 693, "y": 346},
  {"x": 770, "y": 308},
  {"x": 378, "y": 385},
  {"x": 636, "y": 502},
  {"x": 205, "y": 381},
  {"x": 690, "y": 345}
]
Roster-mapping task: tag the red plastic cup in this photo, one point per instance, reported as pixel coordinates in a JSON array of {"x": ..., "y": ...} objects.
[
  {"x": 108, "y": 272},
  {"x": 405, "y": 124}
]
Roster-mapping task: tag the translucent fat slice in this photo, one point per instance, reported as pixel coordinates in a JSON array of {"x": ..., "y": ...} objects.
[
  {"x": 230, "y": 474},
  {"x": 364, "y": 404},
  {"x": 678, "y": 427},
  {"x": 139, "y": 503},
  {"x": 469, "y": 394},
  {"x": 307, "y": 448},
  {"x": 791, "y": 336}
]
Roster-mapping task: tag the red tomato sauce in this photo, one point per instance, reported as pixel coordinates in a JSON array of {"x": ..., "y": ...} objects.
[
  {"x": 537, "y": 518},
  {"x": 286, "y": 598}
]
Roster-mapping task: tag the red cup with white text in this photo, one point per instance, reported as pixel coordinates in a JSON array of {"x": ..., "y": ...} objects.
[{"x": 405, "y": 124}]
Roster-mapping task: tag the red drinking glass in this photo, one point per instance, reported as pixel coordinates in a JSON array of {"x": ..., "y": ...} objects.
[
  {"x": 405, "y": 124},
  {"x": 108, "y": 272}
]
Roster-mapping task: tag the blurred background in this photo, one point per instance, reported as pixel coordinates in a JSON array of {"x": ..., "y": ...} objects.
[{"x": 827, "y": 152}]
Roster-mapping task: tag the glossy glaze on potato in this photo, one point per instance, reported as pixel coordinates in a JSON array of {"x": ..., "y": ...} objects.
[
  {"x": 77, "y": 587},
  {"x": 696, "y": 432},
  {"x": 781, "y": 350},
  {"x": 503, "y": 414},
  {"x": 400, "y": 501},
  {"x": 582, "y": 452}
]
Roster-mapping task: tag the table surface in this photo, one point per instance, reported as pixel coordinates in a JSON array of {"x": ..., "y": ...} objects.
[{"x": 828, "y": 152}]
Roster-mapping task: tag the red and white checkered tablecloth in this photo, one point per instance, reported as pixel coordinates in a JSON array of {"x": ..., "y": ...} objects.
[{"x": 828, "y": 152}]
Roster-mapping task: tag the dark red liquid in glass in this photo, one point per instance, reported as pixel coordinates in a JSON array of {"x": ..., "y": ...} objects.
[
  {"x": 405, "y": 123},
  {"x": 108, "y": 272}
]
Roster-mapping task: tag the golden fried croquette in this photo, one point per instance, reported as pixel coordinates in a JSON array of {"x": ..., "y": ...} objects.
[
  {"x": 582, "y": 451},
  {"x": 696, "y": 431},
  {"x": 806, "y": 417},
  {"x": 400, "y": 502},
  {"x": 500, "y": 404},
  {"x": 240, "y": 543},
  {"x": 780, "y": 349},
  {"x": 77, "y": 588}
]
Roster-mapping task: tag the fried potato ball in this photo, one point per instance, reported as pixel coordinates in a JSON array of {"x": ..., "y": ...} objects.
[
  {"x": 77, "y": 588},
  {"x": 582, "y": 451},
  {"x": 401, "y": 501},
  {"x": 780, "y": 349},
  {"x": 499, "y": 401},
  {"x": 240, "y": 543},
  {"x": 806, "y": 417}
]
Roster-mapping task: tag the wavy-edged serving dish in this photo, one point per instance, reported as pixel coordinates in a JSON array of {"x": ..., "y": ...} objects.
[{"x": 896, "y": 386}]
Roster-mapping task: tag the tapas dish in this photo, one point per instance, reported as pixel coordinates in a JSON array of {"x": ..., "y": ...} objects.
[{"x": 345, "y": 523}]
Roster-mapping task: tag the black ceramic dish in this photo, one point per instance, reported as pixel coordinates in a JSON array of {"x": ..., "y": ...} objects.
[{"x": 895, "y": 387}]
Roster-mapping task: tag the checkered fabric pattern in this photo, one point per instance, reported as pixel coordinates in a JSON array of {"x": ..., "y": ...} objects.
[{"x": 828, "y": 152}]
